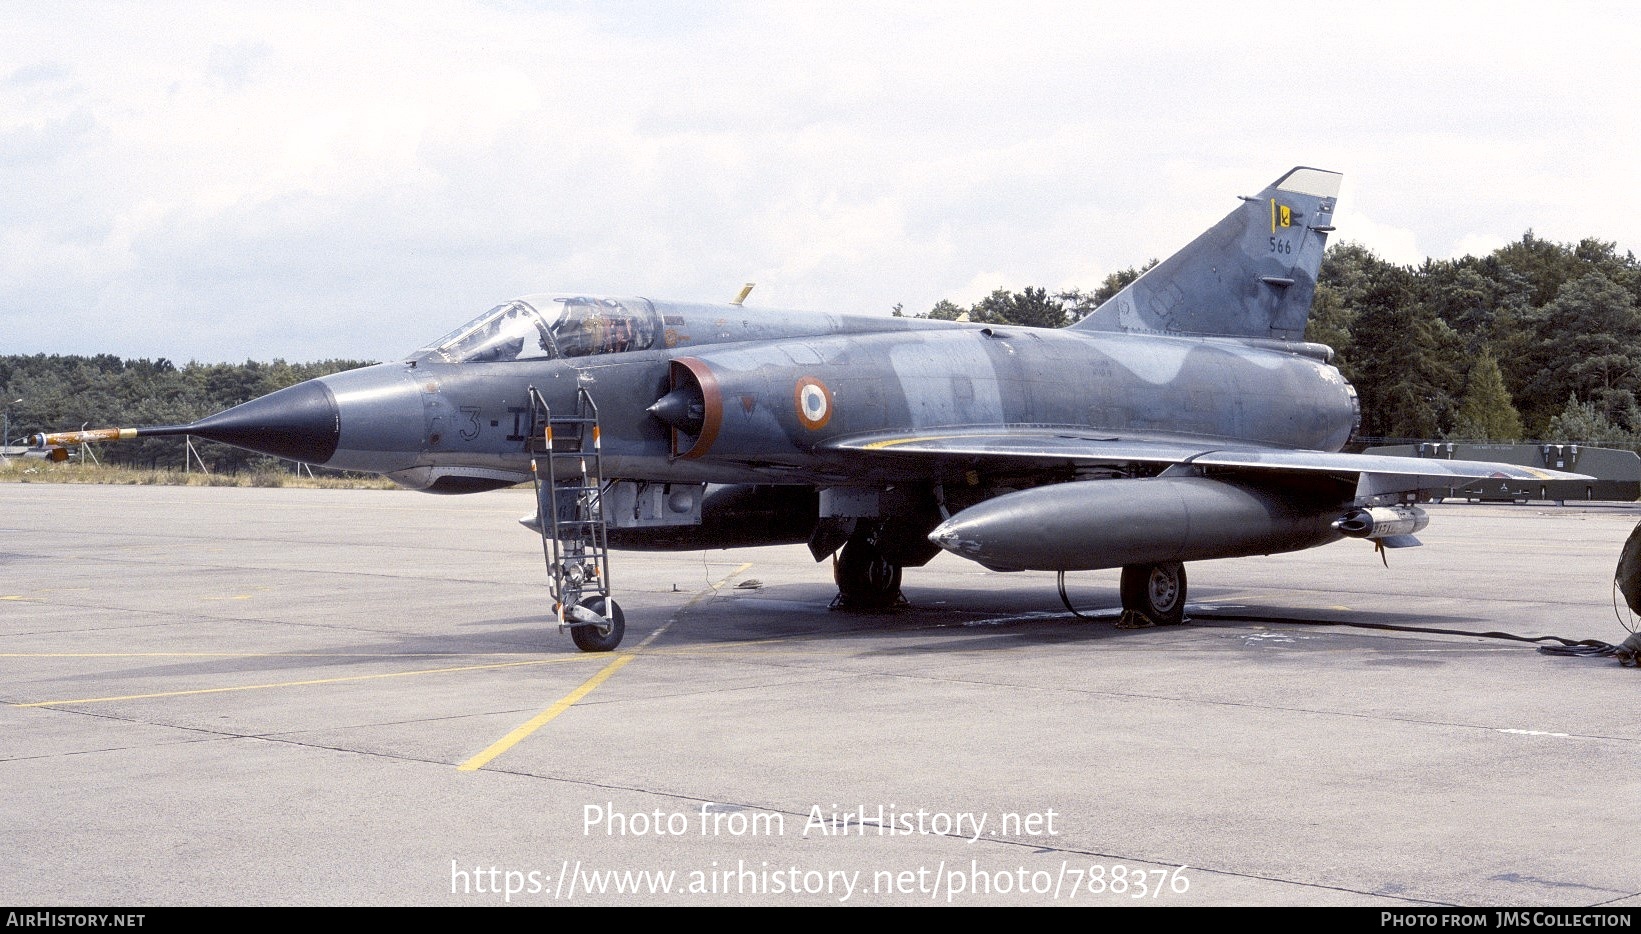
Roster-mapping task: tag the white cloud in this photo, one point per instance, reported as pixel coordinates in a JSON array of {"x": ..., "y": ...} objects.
[
  {"x": 1390, "y": 243},
  {"x": 318, "y": 180},
  {"x": 1478, "y": 244}
]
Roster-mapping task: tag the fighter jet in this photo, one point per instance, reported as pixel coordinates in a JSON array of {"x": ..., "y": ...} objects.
[{"x": 1185, "y": 419}]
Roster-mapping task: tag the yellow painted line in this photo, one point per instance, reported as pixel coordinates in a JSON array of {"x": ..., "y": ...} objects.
[
  {"x": 294, "y": 684},
  {"x": 541, "y": 719},
  {"x": 720, "y": 584},
  {"x": 880, "y": 445},
  {"x": 569, "y": 700},
  {"x": 976, "y": 435}
]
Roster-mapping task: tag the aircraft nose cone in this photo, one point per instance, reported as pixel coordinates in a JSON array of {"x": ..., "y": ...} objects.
[{"x": 299, "y": 423}]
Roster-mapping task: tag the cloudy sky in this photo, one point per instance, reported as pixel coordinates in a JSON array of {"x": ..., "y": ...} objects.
[{"x": 256, "y": 180}]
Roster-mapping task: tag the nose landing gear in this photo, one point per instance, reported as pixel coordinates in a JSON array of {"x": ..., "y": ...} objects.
[{"x": 603, "y": 635}]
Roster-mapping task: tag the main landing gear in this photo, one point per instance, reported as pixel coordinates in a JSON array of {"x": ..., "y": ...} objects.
[
  {"x": 866, "y": 579},
  {"x": 1153, "y": 595}
]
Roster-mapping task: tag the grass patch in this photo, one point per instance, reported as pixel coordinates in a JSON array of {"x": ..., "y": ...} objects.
[{"x": 33, "y": 470}]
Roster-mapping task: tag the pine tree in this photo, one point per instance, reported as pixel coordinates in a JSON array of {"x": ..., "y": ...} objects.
[
  {"x": 1583, "y": 423},
  {"x": 1486, "y": 414}
]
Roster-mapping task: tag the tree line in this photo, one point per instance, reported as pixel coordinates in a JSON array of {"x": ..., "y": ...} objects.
[
  {"x": 61, "y": 393},
  {"x": 1536, "y": 340}
]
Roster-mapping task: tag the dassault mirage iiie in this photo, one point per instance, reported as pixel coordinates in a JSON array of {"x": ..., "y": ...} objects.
[{"x": 1185, "y": 419}]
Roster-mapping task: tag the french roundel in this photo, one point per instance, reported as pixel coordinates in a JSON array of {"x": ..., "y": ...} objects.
[{"x": 814, "y": 403}]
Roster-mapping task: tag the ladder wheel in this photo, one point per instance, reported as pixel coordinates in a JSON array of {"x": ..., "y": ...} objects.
[{"x": 601, "y": 638}]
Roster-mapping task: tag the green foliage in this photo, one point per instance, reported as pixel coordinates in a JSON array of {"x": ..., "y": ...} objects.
[
  {"x": 1486, "y": 413},
  {"x": 1406, "y": 362},
  {"x": 63, "y": 393},
  {"x": 1583, "y": 423},
  {"x": 1589, "y": 345},
  {"x": 1035, "y": 307},
  {"x": 1330, "y": 320},
  {"x": 1032, "y": 307},
  {"x": 1554, "y": 320},
  {"x": 1546, "y": 266}
]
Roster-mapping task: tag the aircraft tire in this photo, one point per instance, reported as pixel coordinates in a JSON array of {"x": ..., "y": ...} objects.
[
  {"x": 600, "y": 638},
  {"x": 1155, "y": 591},
  {"x": 866, "y": 580}
]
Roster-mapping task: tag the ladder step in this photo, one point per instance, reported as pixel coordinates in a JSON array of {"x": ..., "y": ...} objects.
[{"x": 567, "y": 467}]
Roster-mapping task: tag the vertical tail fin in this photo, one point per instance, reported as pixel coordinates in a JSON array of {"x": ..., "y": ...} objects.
[{"x": 1253, "y": 274}]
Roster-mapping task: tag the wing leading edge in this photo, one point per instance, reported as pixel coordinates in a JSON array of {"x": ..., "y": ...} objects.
[{"x": 1025, "y": 446}]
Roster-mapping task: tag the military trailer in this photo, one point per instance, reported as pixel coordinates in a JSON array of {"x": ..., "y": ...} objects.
[{"x": 1617, "y": 473}]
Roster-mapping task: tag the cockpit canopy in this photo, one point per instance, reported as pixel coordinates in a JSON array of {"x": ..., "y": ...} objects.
[{"x": 546, "y": 327}]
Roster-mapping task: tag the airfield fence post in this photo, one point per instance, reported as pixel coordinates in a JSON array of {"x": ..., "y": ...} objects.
[
  {"x": 86, "y": 449},
  {"x": 190, "y": 453}
]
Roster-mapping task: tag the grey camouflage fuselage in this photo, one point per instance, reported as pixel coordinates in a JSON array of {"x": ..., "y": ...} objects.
[{"x": 459, "y": 427}]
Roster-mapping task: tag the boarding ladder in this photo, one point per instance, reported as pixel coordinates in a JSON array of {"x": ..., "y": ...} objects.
[{"x": 568, "y": 476}]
